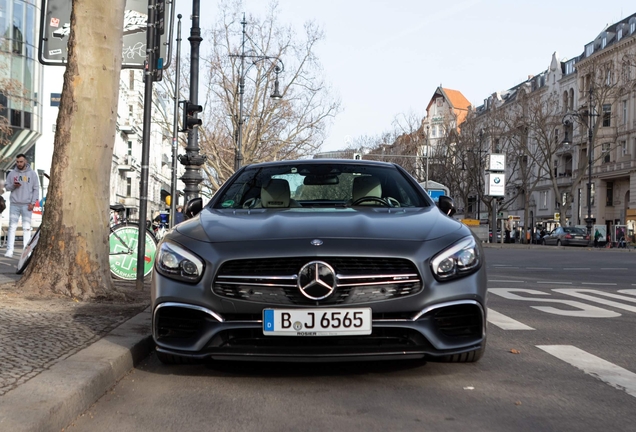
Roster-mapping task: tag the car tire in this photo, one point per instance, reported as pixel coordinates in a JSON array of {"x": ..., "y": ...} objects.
[
  {"x": 467, "y": 357},
  {"x": 171, "y": 359}
]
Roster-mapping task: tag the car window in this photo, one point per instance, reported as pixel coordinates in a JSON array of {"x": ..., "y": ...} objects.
[{"x": 321, "y": 185}]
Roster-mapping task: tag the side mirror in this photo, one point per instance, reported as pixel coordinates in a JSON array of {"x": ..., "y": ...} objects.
[
  {"x": 446, "y": 205},
  {"x": 193, "y": 208}
]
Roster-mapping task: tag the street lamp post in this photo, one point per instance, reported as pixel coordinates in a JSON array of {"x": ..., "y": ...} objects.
[
  {"x": 276, "y": 95},
  {"x": 479, "y": 175},
  {"x": 428, "y": 149},
  {"x": 567, "y": 122}
]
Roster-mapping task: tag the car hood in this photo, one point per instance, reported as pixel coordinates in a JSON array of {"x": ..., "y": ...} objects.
[{"x": 225, "y": 225}]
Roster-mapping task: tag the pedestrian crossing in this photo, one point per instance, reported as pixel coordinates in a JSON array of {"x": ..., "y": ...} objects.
[
  {"x": 597, "y": 367},
  {"x": 504, "y": 322},
  {"x": 603, "y": 370}
]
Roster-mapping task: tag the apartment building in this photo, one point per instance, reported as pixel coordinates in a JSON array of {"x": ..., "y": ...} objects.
[{"x": 544, "y": 125}]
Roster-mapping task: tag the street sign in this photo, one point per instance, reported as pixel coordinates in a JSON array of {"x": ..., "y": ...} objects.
[
  {"x": 435, "y": 194},
  {"x": 55, "y": 29},
  {"x": 495, "y": 184}
]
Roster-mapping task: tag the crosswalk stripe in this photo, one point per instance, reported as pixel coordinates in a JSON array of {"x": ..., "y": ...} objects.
[
  {"x": 607, "y": 372},
  {"x": 504, "y": 322}
]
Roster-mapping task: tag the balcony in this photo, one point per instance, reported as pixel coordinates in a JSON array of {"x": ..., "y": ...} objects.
[
  {"x": 128, "y": 129},
  {"x": 128, "y": 163}
]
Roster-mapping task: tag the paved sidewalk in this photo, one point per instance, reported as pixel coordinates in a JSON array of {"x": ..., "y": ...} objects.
[{"x": 58, "y": 356}]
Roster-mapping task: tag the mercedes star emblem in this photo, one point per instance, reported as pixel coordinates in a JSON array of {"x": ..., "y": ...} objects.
[{"x": 316, "y": 280}]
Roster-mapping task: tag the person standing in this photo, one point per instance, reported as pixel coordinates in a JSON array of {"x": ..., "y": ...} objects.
[
  {"x": 178, "y": 215},
  {"x": 24, "y": 186}
]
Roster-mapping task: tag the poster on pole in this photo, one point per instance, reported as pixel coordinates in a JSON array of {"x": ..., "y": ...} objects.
[
  {"x": 599, "y": 233},
  {"x": 620, "y": 233},
  {"x": 55, "y": 29}
]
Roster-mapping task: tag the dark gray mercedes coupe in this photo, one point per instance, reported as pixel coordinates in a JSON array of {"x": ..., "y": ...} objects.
[{"x": 319, "y": 260}]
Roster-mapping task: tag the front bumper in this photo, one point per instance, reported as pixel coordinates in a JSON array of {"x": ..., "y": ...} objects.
[{"x": 442, "y": 329}]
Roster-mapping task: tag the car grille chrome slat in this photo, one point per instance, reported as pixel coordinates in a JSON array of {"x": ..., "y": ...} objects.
[{"x": 358, "y": 280}]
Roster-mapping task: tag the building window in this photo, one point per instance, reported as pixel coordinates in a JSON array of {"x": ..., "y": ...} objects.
[
  {"x": 130, "y": 110},
  {"x": 556, "y": 136},
  {"x": 620, "y": 34},
  {"x": 604, "y": 42},
  {"x": 129, "y": 148},
  {"x": 128, "y": 186},
  {"x": 607, "y": 115},
  {"x": 589, "y": 50},
  {"x": 632, "y": 27},
  {"x": 544, "y": 199},
  {"x": 624, "y": 112},
  {"x": 605, "y": 148},
  {"x": 609, "y": 200},
  {"x": 497, "y": 147},
  {"x": 131, "y": 80}
]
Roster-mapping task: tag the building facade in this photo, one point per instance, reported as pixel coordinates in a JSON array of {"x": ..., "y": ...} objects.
[
  {"x": 569, "y": 124},
  {"x": 20, "y": 80}
]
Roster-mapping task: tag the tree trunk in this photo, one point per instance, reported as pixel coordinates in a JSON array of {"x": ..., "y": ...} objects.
[{"x": 72, "y": 254}]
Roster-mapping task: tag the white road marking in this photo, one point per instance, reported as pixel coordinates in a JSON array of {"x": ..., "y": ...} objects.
[
  {"x": 613, "y": 268},
  {"x": 607, "y": 372},
  {"x": 587, "y": 294},
  {"x": 506, "y": 281},
  {"x": 576, "y": 268},
  {"x": 556, "y": 283},
  {"x": 597, "y": 283},
  {"x": 539, "y": 268},
  {"x": 504, "y": 322},
  {"x": 584, "y": 310}
]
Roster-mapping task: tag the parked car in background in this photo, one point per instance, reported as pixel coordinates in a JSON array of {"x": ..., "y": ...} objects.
[
  {"x": 320, "y": 260},
  {"x": 567, "y": 236}
]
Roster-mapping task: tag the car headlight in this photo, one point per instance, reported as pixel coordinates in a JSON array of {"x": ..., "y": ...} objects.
[
  {"x": 176, "y": 262},
  {"x": 460, "y": 259}
]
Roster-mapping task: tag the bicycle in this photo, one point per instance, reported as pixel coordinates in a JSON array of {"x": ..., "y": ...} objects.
[{"x": 123, "y": 239}]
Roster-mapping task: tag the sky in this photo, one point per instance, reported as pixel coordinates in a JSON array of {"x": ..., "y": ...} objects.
[{"x": 385, "y": 58}]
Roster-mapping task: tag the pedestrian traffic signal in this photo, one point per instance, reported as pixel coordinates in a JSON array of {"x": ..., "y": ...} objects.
[{"x": 189, "y": 115}]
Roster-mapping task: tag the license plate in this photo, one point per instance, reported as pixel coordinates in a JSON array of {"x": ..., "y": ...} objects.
[{"x": 317, "y": 322}]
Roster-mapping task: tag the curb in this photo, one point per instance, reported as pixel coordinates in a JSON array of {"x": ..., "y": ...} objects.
[{"x": 54, "y": 398}]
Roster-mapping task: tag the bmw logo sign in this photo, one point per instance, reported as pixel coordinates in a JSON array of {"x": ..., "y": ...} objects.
[{"x": 497, "y": 180}]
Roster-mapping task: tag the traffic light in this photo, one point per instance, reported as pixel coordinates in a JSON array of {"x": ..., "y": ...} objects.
[{"x": 189, "y": 112}]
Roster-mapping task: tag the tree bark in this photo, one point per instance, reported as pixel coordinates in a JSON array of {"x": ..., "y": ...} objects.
[{"x": 72, "y": 253}]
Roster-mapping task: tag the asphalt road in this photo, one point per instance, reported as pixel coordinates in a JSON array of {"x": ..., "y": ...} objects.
[{"x": 560, "y": 357}]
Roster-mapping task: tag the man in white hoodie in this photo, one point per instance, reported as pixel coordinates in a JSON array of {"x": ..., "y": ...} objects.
[{"x": 24, "y": 185}]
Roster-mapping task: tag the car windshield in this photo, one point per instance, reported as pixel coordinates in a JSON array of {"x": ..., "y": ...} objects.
[{"x": 321, "y": 185}]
